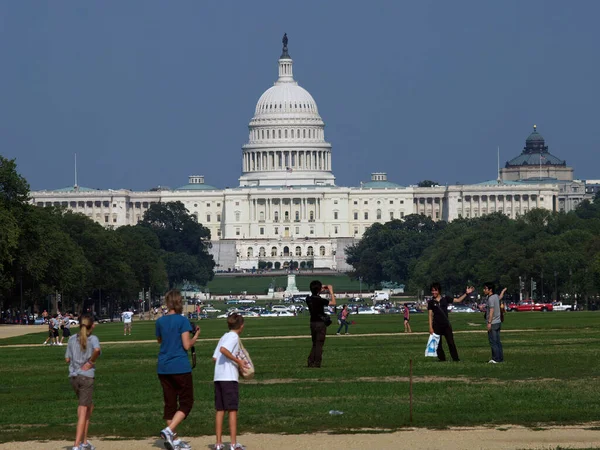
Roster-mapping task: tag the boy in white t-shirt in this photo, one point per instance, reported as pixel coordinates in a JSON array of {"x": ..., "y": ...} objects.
[
  {"x": 227, "y": 374},
  {"x": 127, "y": 317}
]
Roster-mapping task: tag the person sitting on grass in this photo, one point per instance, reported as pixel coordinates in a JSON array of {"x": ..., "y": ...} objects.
[
  {"x": 83, "y": 349},
  {"x": 227, "y": 367}
]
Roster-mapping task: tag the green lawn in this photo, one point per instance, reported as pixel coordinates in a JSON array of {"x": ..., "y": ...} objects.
[
  {"x": 550, "y": 377},
  {"x": 259, "y": 284}
]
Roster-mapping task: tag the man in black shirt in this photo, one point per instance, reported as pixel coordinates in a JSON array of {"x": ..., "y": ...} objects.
[
  {"x": 318, "y": 329},
  {"x": 438, "y": 319}
]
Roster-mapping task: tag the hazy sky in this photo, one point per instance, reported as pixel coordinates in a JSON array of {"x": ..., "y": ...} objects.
[{"x": 149, "y": 92}]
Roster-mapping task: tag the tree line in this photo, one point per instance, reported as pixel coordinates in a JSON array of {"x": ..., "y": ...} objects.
[
  {"x": 558, "y": 252},
  {"x": 45, "y": 251}
]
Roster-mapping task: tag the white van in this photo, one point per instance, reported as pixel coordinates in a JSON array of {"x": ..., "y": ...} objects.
[
  {"x": 380, "y": 295},
  {"x": 279, "y": 308}
]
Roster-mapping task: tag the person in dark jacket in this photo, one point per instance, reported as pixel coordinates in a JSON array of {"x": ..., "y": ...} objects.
[
  {"x": 318, "y": 329},
  {"x": 438, "y": 319}
]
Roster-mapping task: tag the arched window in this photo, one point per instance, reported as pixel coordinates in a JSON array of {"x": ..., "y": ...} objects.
[
  {"x": 298, "y": 251},
  {"x": 309, "y": 251},
  {"x": 267, "y": 134},
  {"x": 285, "y": 134},
  {"x": 322, "y": 250},
  {"x": 311, "y": 216},
  {"x": 261, "y": 216},
  {"x": 304, "y": 133},
  {"x": 261, "y": 252},
  {"x": 298, "y": 133},
  {"x": 378, "y": 214},
  {"x": 279, "y": 134},
  {"x": 366, "y": 215},
  {"x": 237, "y": 216},
  {"x": 262, "y": 132},
  {"x": 286, "y": 251},
  {"x": 276, "y": 216},
  {"x": 292, "y": 131},
  {"x": 297, "y": 216},
  {"x": 286, "y": 216},
  {"x": 250, "y": 252},
  {"x": 273, "y": 251}
]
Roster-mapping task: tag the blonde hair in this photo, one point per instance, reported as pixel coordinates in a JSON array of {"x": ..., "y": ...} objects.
[
  {"x": 86, "y": 323},
  {"x": 174, "y": 301}
]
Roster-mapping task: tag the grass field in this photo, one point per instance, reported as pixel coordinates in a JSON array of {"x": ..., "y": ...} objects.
[
  {"x": 550, "y": 376},
  {"x": 259, "y": 284}
]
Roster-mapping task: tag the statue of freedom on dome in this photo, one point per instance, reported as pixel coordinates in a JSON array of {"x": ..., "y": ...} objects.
[{"x": 285, "y": 41}]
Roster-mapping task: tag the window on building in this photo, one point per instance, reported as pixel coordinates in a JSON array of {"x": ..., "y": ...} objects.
[
  {"x": 114, "y": 220},
  {"x": 311, "y": 216},
  {"x": 335, "y": 230},
  {"x": 297, "y": 216},
  {"x": 366, "y": 202},
  {"x": 366, "y": 215},
  {"x": 261, "y": 252},
  {"x": 276, "y": 216},
  {"x": 297, "y": 230},
  {"x": 391, "y": 215},
  {"x": 250, "y": 252},
  {"x": 218, "y": 205},
  {"x": 106, "y": 218},
  {"x": 237, "y": 203},
  {"x": 261, "y": 216},
  {"x": 208, "y": 217},
  {"x": 437, "y": 214},
  {"x": 286, "y": 216},
  {"x": 262, "y": 230},
  {"x": 355, "y": 230},
  {"x": 237, "y": 216},
  {"x": 391, "y": 202},
  {"x": 310, "y": 251},
  {"x": 335, "y": 202},
  {"x": 378, "y": 214},
  {"x": 218, "y": 217},
  {"x": 335, "y": 215},
  {"x": 312, "y": 230},
  {"x": 402, "y": 202},
  {"x": 298, "y": 251},
  {"x": 322, "y": 250},
  {"x": 276, "y": 230},
  {"x": 237, "y": 231},
  {"x": 145, "y": 204},
  {"x": 401, "y": 214}
]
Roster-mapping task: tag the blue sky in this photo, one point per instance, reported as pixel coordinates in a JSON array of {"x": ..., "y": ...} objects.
[{"x": 149, "y": 92}]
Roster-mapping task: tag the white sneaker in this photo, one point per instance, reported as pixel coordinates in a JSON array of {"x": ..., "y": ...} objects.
[
  {"x": 180, "y": 445},
  {"x": 88, "y": 446},
  {"x": 491, "y": 361},
  {"x": 237, "y": 446},
  {"x": 167, "y": 436}
]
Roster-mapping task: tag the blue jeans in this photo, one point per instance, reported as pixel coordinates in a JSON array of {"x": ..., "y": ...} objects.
[
  {"x": 342, "y": 324},
  {"x": 494, "y": 338}
]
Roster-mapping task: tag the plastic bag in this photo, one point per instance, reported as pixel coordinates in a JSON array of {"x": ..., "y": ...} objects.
[{"x": 432, "y": 345}]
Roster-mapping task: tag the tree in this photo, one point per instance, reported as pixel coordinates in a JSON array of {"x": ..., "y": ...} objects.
[
  {"x": 427, "y": 183},
  {"x": 180, "y": 234},
  {"x": 14, "y": 190}
]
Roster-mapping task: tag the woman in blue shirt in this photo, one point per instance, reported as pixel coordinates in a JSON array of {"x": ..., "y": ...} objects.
[{"x": 174, "y": 370}]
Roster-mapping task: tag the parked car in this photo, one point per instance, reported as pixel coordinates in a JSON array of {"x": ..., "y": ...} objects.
[
  {"x": 529, "y": 305},
  {"x": 211, "y": 310},
  {"x": 367, "y": 310},
  {"x": 280, "y": 308},
  {"x": 559, "y": 306},
  {"x": 462, "y": 309},
  {"x": 393, "y": 311}
]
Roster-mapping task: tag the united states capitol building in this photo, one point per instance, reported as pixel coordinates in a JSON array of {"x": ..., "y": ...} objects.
[{"x": 288, "y": 207}]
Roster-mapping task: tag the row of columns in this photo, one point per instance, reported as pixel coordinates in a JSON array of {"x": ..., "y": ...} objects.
[
  {"x": 283, "y": 159},
  {"x": 270, "y": 207}
]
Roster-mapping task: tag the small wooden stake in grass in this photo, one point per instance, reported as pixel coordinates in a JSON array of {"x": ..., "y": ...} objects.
[{"x": 410, "y": 391}]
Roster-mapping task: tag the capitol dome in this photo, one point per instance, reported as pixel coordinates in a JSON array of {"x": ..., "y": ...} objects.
[{"x": 286, "y": 143}]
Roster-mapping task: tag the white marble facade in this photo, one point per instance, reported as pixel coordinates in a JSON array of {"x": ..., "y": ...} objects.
[{"x": 287, "y": 206}]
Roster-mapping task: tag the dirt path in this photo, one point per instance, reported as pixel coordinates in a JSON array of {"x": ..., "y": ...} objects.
[{"x": 507, "y": 437}]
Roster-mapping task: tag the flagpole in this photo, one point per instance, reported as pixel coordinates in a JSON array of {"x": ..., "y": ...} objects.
[{"x": 540, "y": 165}]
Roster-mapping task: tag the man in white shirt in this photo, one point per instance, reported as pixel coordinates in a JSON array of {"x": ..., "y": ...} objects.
[
  {"x": 127, "y": 318},
  {"x": 227, "y": 367}
]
